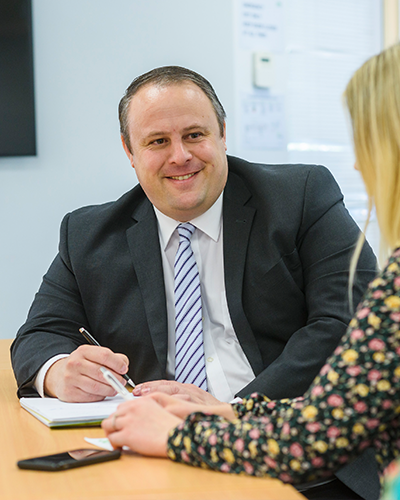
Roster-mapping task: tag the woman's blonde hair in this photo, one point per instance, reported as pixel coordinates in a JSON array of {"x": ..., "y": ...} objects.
[{"x": 373, "y": 99}]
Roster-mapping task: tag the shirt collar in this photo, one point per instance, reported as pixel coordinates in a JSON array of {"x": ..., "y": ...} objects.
[{"x": 209, "y": 223}]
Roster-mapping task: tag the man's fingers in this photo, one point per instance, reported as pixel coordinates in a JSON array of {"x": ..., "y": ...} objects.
[
  {"x": 182, "y": 397},
  {"x": 88, "y": 360},
  {"x": 103, "y": 356},
  {"x": 85, "y": 374},
  {"x": 165, "y": 386},
  {"x": 78, "y": 378},
  {"x": 78, "y": 395},
  {"x": 170, "y": 387}
]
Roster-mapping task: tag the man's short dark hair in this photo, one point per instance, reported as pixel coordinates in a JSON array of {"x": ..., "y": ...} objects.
[{"x": 164, "y": 77}]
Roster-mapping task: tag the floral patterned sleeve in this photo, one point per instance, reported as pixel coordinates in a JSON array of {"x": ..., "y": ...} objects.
[{"x": 352, "y": 404}]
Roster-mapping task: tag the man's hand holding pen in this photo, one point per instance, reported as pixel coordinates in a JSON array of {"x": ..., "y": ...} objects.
[{"x": 78, "y": 378}]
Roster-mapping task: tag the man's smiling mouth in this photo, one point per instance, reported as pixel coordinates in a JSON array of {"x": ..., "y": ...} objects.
[{"x": 182, "y": 177}]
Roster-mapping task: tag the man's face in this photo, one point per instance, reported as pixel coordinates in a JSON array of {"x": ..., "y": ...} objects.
[{"x": 177, "y": 149}]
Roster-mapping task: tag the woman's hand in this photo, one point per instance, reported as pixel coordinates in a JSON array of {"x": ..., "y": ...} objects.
[{"x": 141, "y": 424}]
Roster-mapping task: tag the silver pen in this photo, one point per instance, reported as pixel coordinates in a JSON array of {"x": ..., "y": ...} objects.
[
  {"x": 116, "y": 384},
  {"x": 93, "y": 341}
]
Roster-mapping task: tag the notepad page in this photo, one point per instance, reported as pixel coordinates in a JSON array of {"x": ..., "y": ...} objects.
[{"x": 54, "y": 410}]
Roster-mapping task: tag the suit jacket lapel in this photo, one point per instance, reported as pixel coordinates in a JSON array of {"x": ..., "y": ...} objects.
[
  {"x": 145, "y": 250},
  {"x": 238, "y": 220},
  {"x": 143, "y": 235}
]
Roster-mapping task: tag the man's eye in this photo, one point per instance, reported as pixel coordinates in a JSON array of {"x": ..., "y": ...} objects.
[
  {"x": 158, "y": 141},
  {"x": 195, "y": 135}
]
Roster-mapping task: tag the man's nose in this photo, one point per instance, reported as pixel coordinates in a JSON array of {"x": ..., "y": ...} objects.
[{"x": 180, "y": 153}]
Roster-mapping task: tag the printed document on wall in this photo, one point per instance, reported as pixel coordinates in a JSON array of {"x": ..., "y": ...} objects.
[
  {"x": 262, "y": 120},
  {"x": 260, "y": 25}
]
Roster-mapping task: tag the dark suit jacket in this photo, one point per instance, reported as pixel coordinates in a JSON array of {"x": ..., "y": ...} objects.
[{"x": 287, "y": 245}]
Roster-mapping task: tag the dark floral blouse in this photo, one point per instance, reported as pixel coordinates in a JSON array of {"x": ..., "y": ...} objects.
[{"x": 353, "y": 403}]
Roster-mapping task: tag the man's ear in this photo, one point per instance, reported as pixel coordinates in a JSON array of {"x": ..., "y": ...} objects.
[
  {"x": 224, "y": 137},
  {"x": 127, "y": 151}
]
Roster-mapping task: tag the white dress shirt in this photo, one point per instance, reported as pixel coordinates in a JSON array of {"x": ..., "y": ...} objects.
[{"x": 228, "y": 369}]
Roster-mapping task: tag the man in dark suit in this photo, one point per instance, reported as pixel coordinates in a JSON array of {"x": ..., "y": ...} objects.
[{"x": 272, "y": 244}]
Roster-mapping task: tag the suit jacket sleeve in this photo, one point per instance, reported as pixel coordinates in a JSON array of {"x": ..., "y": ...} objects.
[
  {"x": 297, "y": 305},
  {"x": 101, "y": 280},
  {"x": 57, "y": 308}
]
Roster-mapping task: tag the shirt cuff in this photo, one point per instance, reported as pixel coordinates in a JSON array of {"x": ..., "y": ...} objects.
[
  {"x": 236, "y": 400},
  {"x": 39, "y": 380}
]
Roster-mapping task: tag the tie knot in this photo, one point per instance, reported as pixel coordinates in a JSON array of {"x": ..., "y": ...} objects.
[{"x": 185, "y": 230}]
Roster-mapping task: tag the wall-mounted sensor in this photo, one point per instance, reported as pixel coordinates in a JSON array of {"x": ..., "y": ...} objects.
[{"x": 263, "y": 70}]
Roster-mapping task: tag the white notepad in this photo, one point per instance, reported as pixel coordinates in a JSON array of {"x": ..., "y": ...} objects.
[{"x": 55, "y": 413}]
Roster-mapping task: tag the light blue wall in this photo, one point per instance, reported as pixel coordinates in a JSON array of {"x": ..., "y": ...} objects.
[{"x": 86, "y": 52}]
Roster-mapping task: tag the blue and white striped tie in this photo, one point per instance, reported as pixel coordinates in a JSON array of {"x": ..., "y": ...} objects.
[{"x": 189, "y": 350}]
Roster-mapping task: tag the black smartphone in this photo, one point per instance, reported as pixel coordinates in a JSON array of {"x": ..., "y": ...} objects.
[{"x": 69, "y": 459}]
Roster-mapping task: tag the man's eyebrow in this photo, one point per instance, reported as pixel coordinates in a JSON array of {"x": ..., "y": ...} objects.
[
  {"x": 159, "y": 133},
  {"x": 195, "y": 126},
  {"x": 154, "y": 134}
]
